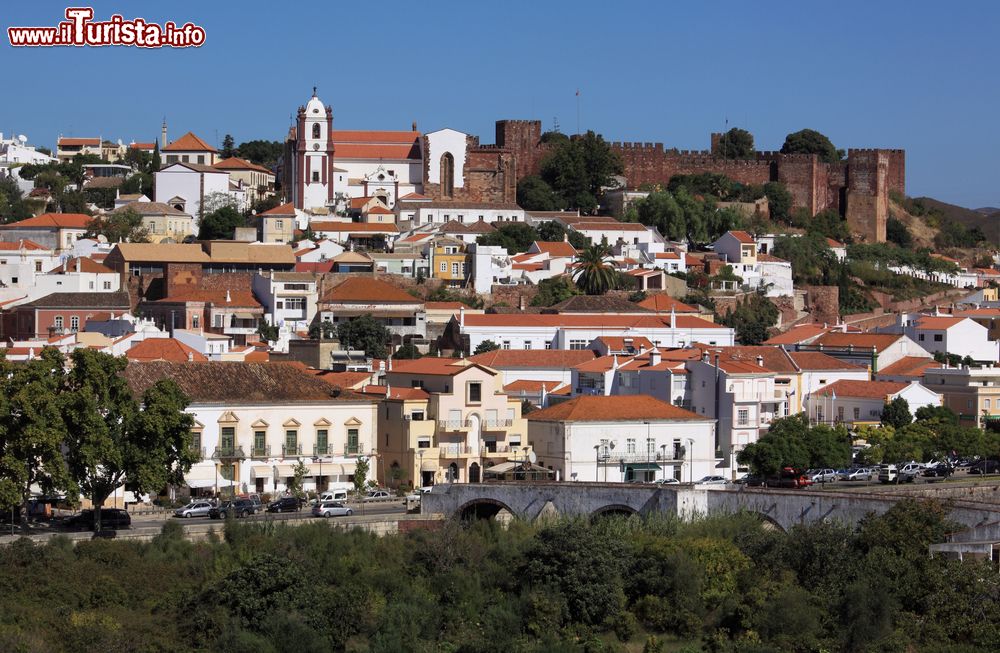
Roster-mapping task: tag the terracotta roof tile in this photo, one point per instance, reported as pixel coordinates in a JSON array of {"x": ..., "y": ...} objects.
[
  {"x": 74, "y": 142},
  {"x": 912, "y": 366},
  {"x": 937, "y": 323},
  {"x": 528, "y": 386},
  {"x": 396, "y": 393},
  {"x": 555, "y": 248},
  {"x": 862, "y": 389},
  {"x": 354, "y": 227},
  {"x": 879, "y": 341},
  {"x": 628, "y": 408},
  {"x": 587, "y": 321},
  {"x": 814, "y": 360},
  {"x": 189, "y": 143},
  {"x": 163, "y": 349},
  {"x": 285, "y": 209},
  {"x": 541, "y": 358},
  {"x": 236, "y": 163},
  {"x": 665, "y": 303},
  {"x": 87, "y": 265},
  {"x": 432, "y": 366},
  {"x": 743, "y": 237},
  {"x": 53, "y": 221},
  {"x": 368, "y": 290},
  {"x": 17, "y": 245},
  {"x": 798, "y": 334}
]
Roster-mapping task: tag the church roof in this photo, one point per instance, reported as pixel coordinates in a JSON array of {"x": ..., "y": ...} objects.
[{"x": 189, "y": 143}]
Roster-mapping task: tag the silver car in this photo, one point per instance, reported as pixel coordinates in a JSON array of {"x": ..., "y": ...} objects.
[
  {"x": 194, "y": 509},
  {"x": 711, "y": 480},
  {"x": 331, "y": 509}
]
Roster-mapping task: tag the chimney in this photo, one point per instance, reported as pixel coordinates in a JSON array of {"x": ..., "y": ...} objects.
[
  {"x": 190, "y": 356},
  {"x": 461, "y": 315},
  {"x": 673, "y": 318},
  {"x": 654, "y": 357},
  {"x": 413, "y": 126},
  {"x": 520, "y": 302},
  {"x": 704, "y": 356},
  {"x": 78, "y": 265},
  {"x": 229, "y": 297},
  {"x": 760, "y": 361}
]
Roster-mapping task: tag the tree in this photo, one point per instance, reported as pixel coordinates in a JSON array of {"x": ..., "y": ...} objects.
[
  {"x": 155, "y": 163},
  {"x": 31, "y": 430},
  {"x": 779, "y": 201},
  {"x": 485, "y": 346},
  {"x": 736, "y": 144},
  {"x": 554, "y": 290},
  {"x": 265, "y": 153},
  {"x": 896, "y": 232},
  {"x": 12, "y": 204},
  {"x": 364, "y": 332},
  {"x": 111, "y": 440},
  {"x": 534, "y": 194},
  {"x": 578, "y": 169},
  {"x": 792, "y": 442},
  {"x": 896, "y": 413},
  {"x": 139, "y": 183},
  {"x": 220, "y": 224},
  {"x": 812, "y": 259},
  {"x": 751, "y": 318},
  {"x": 594, "y": 274},
  {"x": 809, "y": 141},
  {"x": 215, "y": 201},
  {"x": 123, "y": 225},
  {"x": 267, "y": 331},
  {"x": 515, "y": 237},
  {"x": 361, "y": 467},
  {"x": 299, "y": 472},
  {"x": 228, "y": 146},
  {"x": 408, "y": 351}
]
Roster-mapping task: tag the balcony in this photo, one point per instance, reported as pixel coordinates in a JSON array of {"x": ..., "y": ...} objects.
[
  {"x": 228, "y": 453},
  {"x": 352, "y": 450},
  {"x": 291, "y": 450},
  {"x": 454, "y": 449},
  {"x": 644, "y": 457},
  {"x": 454, "y": 424},
  {"x": 199, "y": 453},
  {"x": 260, "y": 452},
  {"x": 322, "y": 450},
  {"x": 498, "y": 423}
]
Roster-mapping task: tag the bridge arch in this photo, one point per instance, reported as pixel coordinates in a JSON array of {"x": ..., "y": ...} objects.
[
  {"x": 769, "y": 523},
  {"x": 482, "y": 508},
  {"x": 614, "y": 510}
]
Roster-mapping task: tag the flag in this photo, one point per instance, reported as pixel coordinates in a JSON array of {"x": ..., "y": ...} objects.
[
  {"x": 578, "y": 92},
  {"x": 834, "y": 396}
]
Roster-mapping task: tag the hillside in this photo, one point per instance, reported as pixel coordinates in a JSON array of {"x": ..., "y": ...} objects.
[{"x": 988, "y": 222}]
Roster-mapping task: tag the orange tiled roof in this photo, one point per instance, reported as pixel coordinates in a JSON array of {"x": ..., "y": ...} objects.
[
  {"x": 392, "y": 152},
  {"x": 914, "y": 366},
  {"x": 877, "y": 340},
  {"x": 397, "y": 393},
  {"x": 815, "y": 360},
  {"x": 555, "y": 248},
  {"x": 142, "y": 146},
  {"x": 378, "y": 210},
  {"x": 431, "y": 366},
  {"x": 862, "y": 389},
  {"x": 189, "y": 143},
  {"x": 586, "y": 321},
  {"x": 73, "y": 142},
  {"x": 354, "y": 227},
  {"x": 529, "y": 386},
  {"x": 797, "y": 334},
  {"x": 88, "y": 265},
  {"x": 23, "y": 243},
  {"x": 455, "y": 306},
  {"x": 618, "y": 343},
  {"x": 775, "y": 359},
  {"x": 937, "y": 323},
  {"x": 665, "y": 303},
  {"x": 608, "y": 226},
  {"x": 834, "y": 243},
  {"x": 285, "y": 209},
  {"x": 979, "y": 312},
  {"x": 373, "y": 136},
  {"x": 53, "y": 221},
  {"x": 236, "y": 163},
  {"x": 163, "y": 349},
  {"x": 628, "y": 408},
  {"x": 539, "y": 358},
  {"x": 353, "y": 380},
  {"x": 743, "y": 237},
  {"x": 368, "y": 290}
]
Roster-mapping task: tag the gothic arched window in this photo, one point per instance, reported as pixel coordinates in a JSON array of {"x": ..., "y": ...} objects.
[
  {"x": 316, "y": 130},
  {"x": 447, "y": 174}
]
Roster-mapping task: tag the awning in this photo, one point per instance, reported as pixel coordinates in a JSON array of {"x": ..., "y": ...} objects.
[
  {"x": 260, "y": 471},
  {"x": 196, "y": 483},
  {"x": 501, "y": 468},
  {"x": 643, "y": 466},
  {"x": 244, "y": 316},
  {"x": 200, "y": 472},
  {"x": 375, "y": 312},
  {"x": 285, "y": 471},
  {"x": 428, "y": 466}
]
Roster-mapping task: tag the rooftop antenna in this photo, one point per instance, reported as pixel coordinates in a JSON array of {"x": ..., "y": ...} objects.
[
  {"x": 555, "y": 124},
  {"x": 578, "y": 111}
]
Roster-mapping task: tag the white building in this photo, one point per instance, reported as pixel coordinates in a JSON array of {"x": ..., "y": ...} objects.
[
  {"x": 551, "y": 366},
  {"x": 946, "y": 334},
  {"x": 14, "y": 152},
  {"x": 185, "y": 186},
  {"x": 620, "y": 439},
  {"x": 490, "y": 264},
  {"x": 255, "y": 421},
  {"x": 289, "y": 298},
  {"x": 848, "y": 402}
]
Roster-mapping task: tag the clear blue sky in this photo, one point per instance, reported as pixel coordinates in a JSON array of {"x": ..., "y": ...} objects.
[{"x": 917, "y": 75}]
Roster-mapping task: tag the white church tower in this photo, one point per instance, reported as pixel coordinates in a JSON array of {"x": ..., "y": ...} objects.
[{"x": 312, "y": 176}]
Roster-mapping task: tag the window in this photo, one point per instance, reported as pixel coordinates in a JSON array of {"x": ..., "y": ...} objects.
[
  {"x": 196, "y": 440},
  {"x": 938, "y": 337},
  {"x": 316, "y": 130},
  {"x": 444, "y": 266},
  {"x": 201, "y": 159},
  {"x": 291, "y": 441},
  {"x": 417, "y": 416},
  {"x": 58, "y": 322},
  {"x": 527, "y": 344},
  {"x": 74, "y": 323},
  {"x": 295, "y": 303},
  {"x": 475, "y": 392},
  {"x": 454, "y": 268},
  {"x": 986, "y": 404},
  {"x": 577, "y": 344},
  {"x": 921, "y": 337},
  {"x": 259, "y": 442},
  {"x": 107, "y": 285},
  {"x": 424, "y": 443},
  {"x": 857, "y": 413},
  {"x": 506, "y": 344},
  {"x": 195, "y": 321},
  {"x": 227, "y": 440},
  {"x": 279, "y": 224},
  {"x": 548, "y": 344},
  {"x": 38, "y": 266},
  {"x": 322, "y": 440},
  {"x": 447, "y": 174},
  {"x": 840, "y": 413},
  {"x": 630, "y": 445},
  {"x": 416, "y": 384},
  {"x": 742, "y": 417},
  {"x": 352, "y": 441},
  {"x": 315, "y": 176}
]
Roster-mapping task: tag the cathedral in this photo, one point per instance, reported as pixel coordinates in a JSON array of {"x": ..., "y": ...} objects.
[{"x": 327, "y": 168}]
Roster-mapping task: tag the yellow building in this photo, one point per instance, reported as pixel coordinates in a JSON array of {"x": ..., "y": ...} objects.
[
  {"x": 972, "y": 392},
  {"x": 258, "y": 180},
  {"x": 277, "y": 225},
  {"x": 164, "y": 223},
  {"x": 445, "y": 420},
  {"x": 449, "y": 261}
]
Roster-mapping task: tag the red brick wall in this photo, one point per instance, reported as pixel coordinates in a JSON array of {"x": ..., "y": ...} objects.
[{"x": 489, "y": 175}]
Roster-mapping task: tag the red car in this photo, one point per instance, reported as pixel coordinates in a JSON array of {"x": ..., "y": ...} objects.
[{"x": 790, "y": 478}]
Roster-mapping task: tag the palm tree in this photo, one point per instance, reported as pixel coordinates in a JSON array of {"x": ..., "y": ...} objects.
[{"x": 594, "y": 274}]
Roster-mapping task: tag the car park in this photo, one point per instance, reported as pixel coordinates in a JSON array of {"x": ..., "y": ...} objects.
[
  {"x": 860, "y": 474},
  {"x": 940, "y": 470},
  {"x": 332, "y": 495},
  {"x": 331, "y": 509},
  {"x": 194, "y": 509},
  {"x": 113, "y": 518},
  {"x": 985, "y": 467},
  {"x": 822, "y": 475},
  {"x": 378, "y": 495},
  {"x": 236, "y": 508},
  {"x": 285, "y": 504}
]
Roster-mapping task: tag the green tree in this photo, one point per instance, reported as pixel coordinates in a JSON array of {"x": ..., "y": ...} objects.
[
  {"x": 220, "y": 224},
  {"x": 299, "y": 473},
  {"x": 155, "y": 163},
  {"x": 364, "y": 332},
  {"x": 110, "y": 440},
  {"x": 515, "y": 237},
  {"x": 534, "y": 194},
  {"x": 267, "y": 331},
  {"x": 361, "y": 467},
  {"x": 896, "y": 232},
  {"x": 554, "y": 290},
  {"x": 553, "y": 231},
  {"x": 265, "y": 153},
  {"x": 31, "y": 430},
  {"x": 594, "y": 274},
  {"x": 408, "y": 351},
  {"x": 813, "y": 262},
  {"x": 936, "y": 415},
  {"x": 228, "y": 146},
  {"x": 578, "y": 170},
  {"x": 12, "y": 205},
  {"x": 139, "y": 183},
  {"x": 486, "y": 346},
  {"x": 736, "y": 144},
  {"x": 792, "y": 442},
  {"x": 779, "y": 201},
  {"x": 809, "y": 141},
  {"x": 830, "y": 224},
  {"x": 123, "y": 225},
  {"x": 896, "y": 413},
  {"x": 751, "y": 318}
]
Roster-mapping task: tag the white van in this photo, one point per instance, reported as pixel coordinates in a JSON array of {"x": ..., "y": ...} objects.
[{"x": 333, "y": 495}]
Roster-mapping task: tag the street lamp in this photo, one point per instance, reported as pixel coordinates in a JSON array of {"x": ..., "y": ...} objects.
[
  {"x": 691, "y": 449},
  {"x": 663, "y": 460},
  {"x": 597, "y": 463}
]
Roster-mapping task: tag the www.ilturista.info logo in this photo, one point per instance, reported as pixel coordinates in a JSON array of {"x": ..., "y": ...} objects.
[{"x": 79, "y": 29}]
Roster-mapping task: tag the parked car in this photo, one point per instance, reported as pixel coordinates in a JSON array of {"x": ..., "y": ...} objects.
[
  {"x": 711, "y": 480},
  {"x": 378, "y": 495},
  {"x": 985, "y": 467},
  {"x": 332, "y": 495},
  {"x": 941, "y": 470},
  {"x": 110, "y": 518},
  {"x": 899, "y": 474},
  {"x": 194, "y": 509},
  {"x": 667, "y": 481},
  {"x": 822, "y": 475},
  {"x": 790, "y": 478},
  {"x": 331, "y": 509},
  {"x": 256, "y": 501},
  {"x": 285, "y": 504},
  {"x": 860, "y": 474},
  {"x": 236, "y": 508},
  {"x": 909, "y": 472}
]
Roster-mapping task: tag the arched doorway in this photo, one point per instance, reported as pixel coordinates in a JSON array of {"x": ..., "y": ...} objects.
[
  {"x": 447, "y": 175},
  {"x": 474, "y": 473},
  {"x": 452, "y": 473}
]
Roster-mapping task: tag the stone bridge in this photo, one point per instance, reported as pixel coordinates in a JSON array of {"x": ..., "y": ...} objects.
[{"x": 781, "y": 508}]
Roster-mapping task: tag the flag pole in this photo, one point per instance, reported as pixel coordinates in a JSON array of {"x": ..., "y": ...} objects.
[{"x": 578, "y": 112}]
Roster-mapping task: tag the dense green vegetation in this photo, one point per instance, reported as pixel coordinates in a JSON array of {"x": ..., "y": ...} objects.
[
  {"x": 751, "y": 318},
  {"x": 724, "y": 585},
  {"x": 810, "y": 141},
  {"x": 516, "y": 237},
  {"x": 573, "y": 174},
  {"x": 951, "y": 221},
  {"x": 736, "y": 144}
]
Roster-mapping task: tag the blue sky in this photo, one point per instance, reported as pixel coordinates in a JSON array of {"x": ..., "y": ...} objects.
[{"x": 917, "y": 75}]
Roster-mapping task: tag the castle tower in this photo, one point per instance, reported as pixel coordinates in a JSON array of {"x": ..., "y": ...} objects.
[{"x": 312, "y": 165}]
